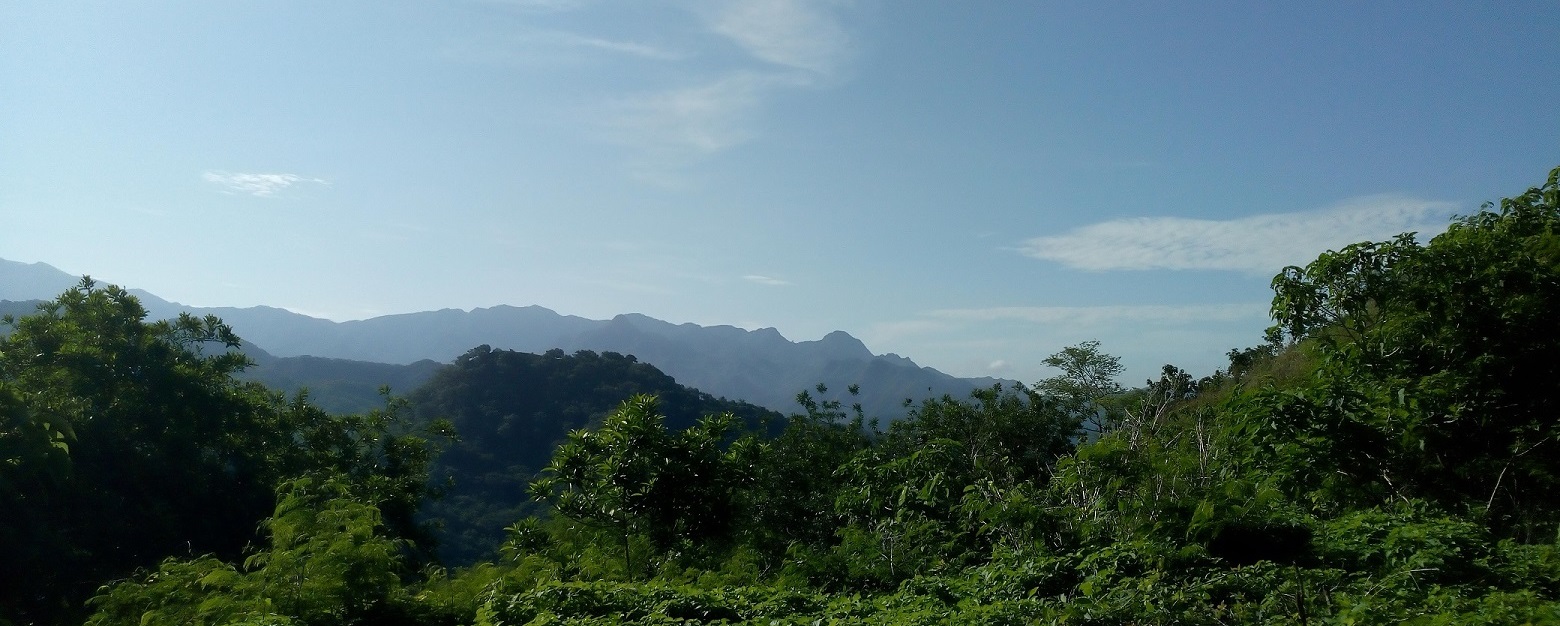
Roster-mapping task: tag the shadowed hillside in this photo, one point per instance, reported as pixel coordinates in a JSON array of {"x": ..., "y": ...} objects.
[{"x": 511, "y": 409}]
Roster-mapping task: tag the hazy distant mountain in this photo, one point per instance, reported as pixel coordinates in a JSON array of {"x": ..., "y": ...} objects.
[
  {"x": 765, "y": 368},
  {"x": 337, "y": 385},
  {"x": 32, "y": 281},
  {"x": 17, "y": 308},
  {"x": 758, "y": 366}
]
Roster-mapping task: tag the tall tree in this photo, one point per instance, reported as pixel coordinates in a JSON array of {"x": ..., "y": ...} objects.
[{"x": 1088, "y": 377}]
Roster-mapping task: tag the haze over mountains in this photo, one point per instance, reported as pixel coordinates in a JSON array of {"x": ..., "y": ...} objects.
[{"x": 759, "y": 366}]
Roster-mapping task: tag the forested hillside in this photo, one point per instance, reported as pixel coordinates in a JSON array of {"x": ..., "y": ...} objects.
[
  {"x": 1387, "y": 454},
  {"x": 336, "y": 385},
  {"x": 512, "y": 409}
]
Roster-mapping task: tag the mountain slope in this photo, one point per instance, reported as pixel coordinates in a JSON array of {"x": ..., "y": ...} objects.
[
  {"x": 32, "y": 281},
  {"x": 336, "y": 385}
]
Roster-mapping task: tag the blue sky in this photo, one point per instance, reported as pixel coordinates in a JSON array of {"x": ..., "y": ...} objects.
[{"x": 973, "y": 185}]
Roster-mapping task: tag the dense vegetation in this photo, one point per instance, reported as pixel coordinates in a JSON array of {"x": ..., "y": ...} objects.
[
  {"x": 125, "y": 442},
  {"x": 511, "y": 409},
  {"x": 1388, "y": 455}
]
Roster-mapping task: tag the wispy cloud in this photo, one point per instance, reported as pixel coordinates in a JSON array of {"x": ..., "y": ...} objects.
[
  {"x": 691, "y": 121},
  {"x": 624, "y": 47},
  {"x": 256, "y": 184},
  {"x": 1259, "y": 244},
  {"x": 797, "y": 44},
  {"x": 789, "y": 33},
  {"x": 1012, "y": 341},
  {"x": 766, "y": 280},
  {"x": 1071, "y": 319},
  {"x": 1091, "y": 315},
  {"x": 730, "y": 58}
]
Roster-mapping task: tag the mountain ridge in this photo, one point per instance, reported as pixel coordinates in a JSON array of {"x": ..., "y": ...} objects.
[{"x": 760, "y": 366}]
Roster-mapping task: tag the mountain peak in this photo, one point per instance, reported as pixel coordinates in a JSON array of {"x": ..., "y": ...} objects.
[
  {"x": 841, "y": 345},
  {"x": 640, "y": 319},
  {"x": 34, "y": 281}
]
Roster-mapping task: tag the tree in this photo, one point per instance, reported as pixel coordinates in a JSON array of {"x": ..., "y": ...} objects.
[
  {"x": 790, "y": 504},
  {"x": 634, "y": 477},
  {"x": 1007, "y": 436},
  {"x": 124, "y": 441},
  {"x": 142, "y": 419},
  {"x": 1088, "y": 377}
]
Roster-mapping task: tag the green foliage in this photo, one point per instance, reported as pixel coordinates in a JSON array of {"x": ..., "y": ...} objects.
[
  {"x": 1459, "y": 334},
  {"x": 635, "y": 477},
  {"x": 124, "y": 442},
  {"x": 330, "y": 561},
  {"x": 1010, "y": 437},
  {"x": 899, "y": 515},
  {"x": 1088, "y": 377},
  {"x": 512, "y": 409},
  {"x": 652, "y": 603},
  {"x": 379, "y": 455},
  {"x": 329, "y": 558},
  {"x": 790, "y": 502},
  {"x": 203, "y": 590},
  {"x": 106, "y": 412},
  {"x": 34, "y": 461}
]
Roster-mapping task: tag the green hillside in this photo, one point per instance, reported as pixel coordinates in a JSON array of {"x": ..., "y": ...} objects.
[{"x": 512, "y": 409}]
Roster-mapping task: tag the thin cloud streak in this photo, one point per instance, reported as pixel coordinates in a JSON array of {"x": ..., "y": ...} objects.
[
  {"x": 1006, "y": 341},
  {"x": 766, "y": 280},
  {"x": 1094, "y": 315},
  {"x": 1259, "y": 244},
  {"x": 1069, "y": 318},
  {"x": 256, "y": 184},
  {"x": 788, "y": 33},
  {"x": 626, "y": 47}
]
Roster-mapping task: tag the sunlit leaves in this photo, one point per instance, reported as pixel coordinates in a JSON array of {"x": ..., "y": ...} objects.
[{"x": 635, "y": 477}]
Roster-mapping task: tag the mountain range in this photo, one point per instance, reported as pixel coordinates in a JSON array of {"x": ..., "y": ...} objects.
[{"x": 758, "y": 366}]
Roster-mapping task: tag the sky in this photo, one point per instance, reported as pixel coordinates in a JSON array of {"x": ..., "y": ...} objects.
[{"x": 972, "y": 185}]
